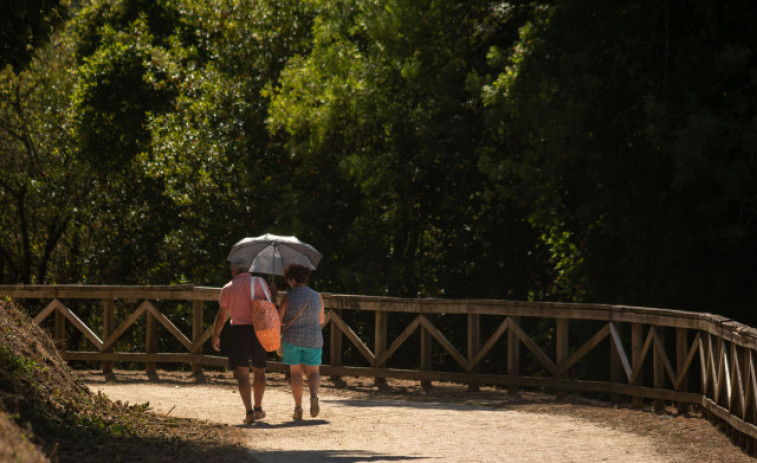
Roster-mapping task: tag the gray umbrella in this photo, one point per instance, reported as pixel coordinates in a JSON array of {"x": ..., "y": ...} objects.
[{"x": 272, "y": 254}]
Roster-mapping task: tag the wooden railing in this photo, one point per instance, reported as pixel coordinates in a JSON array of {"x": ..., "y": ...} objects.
[{"x": 627, "y": 353}]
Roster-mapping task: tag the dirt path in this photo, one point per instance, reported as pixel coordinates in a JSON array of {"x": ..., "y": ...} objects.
[{"x": 356, "y": 426}]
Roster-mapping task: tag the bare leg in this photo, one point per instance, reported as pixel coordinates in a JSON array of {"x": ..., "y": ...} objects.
[
  {"x": 314, "y": 379},
  {"x": 296, "y": 383},
  {"x": 258, "y": 386},
  {"x": 314, "y": 383},
  {"x": 243, "y": 382}
]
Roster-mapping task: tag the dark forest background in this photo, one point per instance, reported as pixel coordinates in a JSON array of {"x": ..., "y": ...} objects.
[{"x": 578, "y": 150}]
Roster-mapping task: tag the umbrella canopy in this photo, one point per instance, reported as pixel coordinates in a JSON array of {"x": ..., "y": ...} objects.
[{"x": 272, "y": 254}]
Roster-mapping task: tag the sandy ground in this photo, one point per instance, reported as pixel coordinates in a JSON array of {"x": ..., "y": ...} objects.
[{"x": 353, "y": 429}]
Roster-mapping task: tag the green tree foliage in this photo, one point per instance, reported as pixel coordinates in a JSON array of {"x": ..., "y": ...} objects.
[
  {"x": 123, "y": 77},
  {"x": 221, "y": 170},
  {"x": 42, "y": 184},
  {"x": 24, "y": 27},
  {"x": 383, "y": 112},
  {"x": 631, "y": 129}
]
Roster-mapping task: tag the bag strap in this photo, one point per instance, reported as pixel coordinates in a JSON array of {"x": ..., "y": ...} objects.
[
  {"x": 265, "y": 290},
  {"x": 298, "y": 314}
]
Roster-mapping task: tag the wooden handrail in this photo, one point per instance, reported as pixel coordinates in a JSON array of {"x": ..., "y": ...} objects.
[{"x": 694, "y": 358}]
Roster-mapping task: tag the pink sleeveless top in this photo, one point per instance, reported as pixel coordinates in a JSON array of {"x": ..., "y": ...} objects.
[{"x": 235, "y": 296}]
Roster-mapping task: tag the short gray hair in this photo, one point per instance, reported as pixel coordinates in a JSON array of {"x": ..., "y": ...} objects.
[{"x": 240, "y": 264}]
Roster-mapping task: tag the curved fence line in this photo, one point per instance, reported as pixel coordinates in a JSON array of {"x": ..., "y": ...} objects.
[{"x": 627, "y": 353}]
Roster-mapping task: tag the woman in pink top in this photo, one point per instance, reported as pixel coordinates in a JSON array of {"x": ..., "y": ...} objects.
[{"x": 243, "y": 345}]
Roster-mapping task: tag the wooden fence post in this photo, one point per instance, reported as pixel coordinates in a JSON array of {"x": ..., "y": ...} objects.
[
  {"x": 748, "y": 411},
  {"x": 335, "y": 354},
  {"x": 513, "y": 356},
  {"x": 426, "y": 355},
  {"x": 151, "y": 343},
  {"x": 108, "y": 326},
  {"x": 382, "y": 324},
  {"x": 682, "y": 349},
  {"x": 637, "y": 343},
  {"x": 562, "y": 349},
  {"x": 60, "y": 330},
  {"x": 616, "y": 370},
  {"x": 474, "y": 343},
  {"x": 658, "y": 366},
  {"x": 197, "y": 329}
]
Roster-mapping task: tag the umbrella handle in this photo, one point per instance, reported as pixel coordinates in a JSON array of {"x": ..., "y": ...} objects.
[{"x": 273, "y": 261}]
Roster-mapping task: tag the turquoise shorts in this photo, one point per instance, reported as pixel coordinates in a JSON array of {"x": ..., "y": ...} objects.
[{"x": 296, "y": 355}]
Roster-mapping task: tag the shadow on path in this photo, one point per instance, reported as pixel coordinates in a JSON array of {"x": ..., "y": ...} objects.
[
  {"x": 287, "y": 424},
  {"x": 388, "y": 403},
  {"x": 326, "y": 456}
]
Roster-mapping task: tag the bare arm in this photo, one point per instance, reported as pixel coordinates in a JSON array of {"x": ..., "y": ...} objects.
[
  {"x": 221, "y": 316},
  {"x": 322, "y": 315},
  {"x": 283, "y": 308}
]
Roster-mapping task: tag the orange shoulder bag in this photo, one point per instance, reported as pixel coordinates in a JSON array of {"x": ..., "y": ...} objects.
[{"x": 265, "y": 319}]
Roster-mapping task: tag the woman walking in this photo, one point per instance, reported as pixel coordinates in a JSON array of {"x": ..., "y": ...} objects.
[{"x": 302, "y": 316}]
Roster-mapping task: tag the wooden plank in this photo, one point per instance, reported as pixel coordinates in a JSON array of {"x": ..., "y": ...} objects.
[
  {"x": 205, "y": 336},
  {"x": 659, "y": 362},
  {"x": 686, "y": 365},
  {"x": 335, "y": 350},
  {"x": 736, "y": 383},
  {"x": 197, "y": 322},
  {"x": 151, "y": 336},
  {"x": 474, "y": 341},
  {"x": 642, "y": 356},
  {"x": 540, "y": 355},
  {"x": 637, "y": 333},
  {"x": 170, "y": 292},
  {"x": 713, "y": 372},
  {"x": 406, "y": 333},
  {"x": 753, "y": 384},
  {"x": 380, "y": 343},
  {"x": 682, "y": 348},
  {"x": 584, "y": 349},
  {"x": 724, "y": 371},
  {"x": 616, "y": 364},
  {"x": 108, "y": 325},
  {"x": 439, "y": 336},
  {"x": 381, "y": 330},
  {"x": 173, "y": 329},
  {"x": 353, "y": 337},
  {"x": 110, "y": 340},
  {"x": 621, "y": 352},
  {"x": 746, "y": 386},
  {"x": 79, "y": 324},
  {"x": 562, "y": 348},
  {"x": 722, "y": 413},
  {"x": 513, "y": 352},
  {"x": 703, "y": 365},
  {"x": 426, "y": 351},
  {"x": 490, "y": 342},
  {"x": 663, "y": 358},
  {"x": 44, "y": 313}
]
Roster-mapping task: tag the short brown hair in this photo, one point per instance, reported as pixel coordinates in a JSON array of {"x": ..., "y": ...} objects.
[{"x": 298, "y": 273}]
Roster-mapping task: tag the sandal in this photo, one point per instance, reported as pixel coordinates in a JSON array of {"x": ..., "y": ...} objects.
[
  {"x": 297, "y": 414},
  {"x": 249, "y": 417},
  {"x": 314, "y": 407},
  {"x": 258, "y": 413}
]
